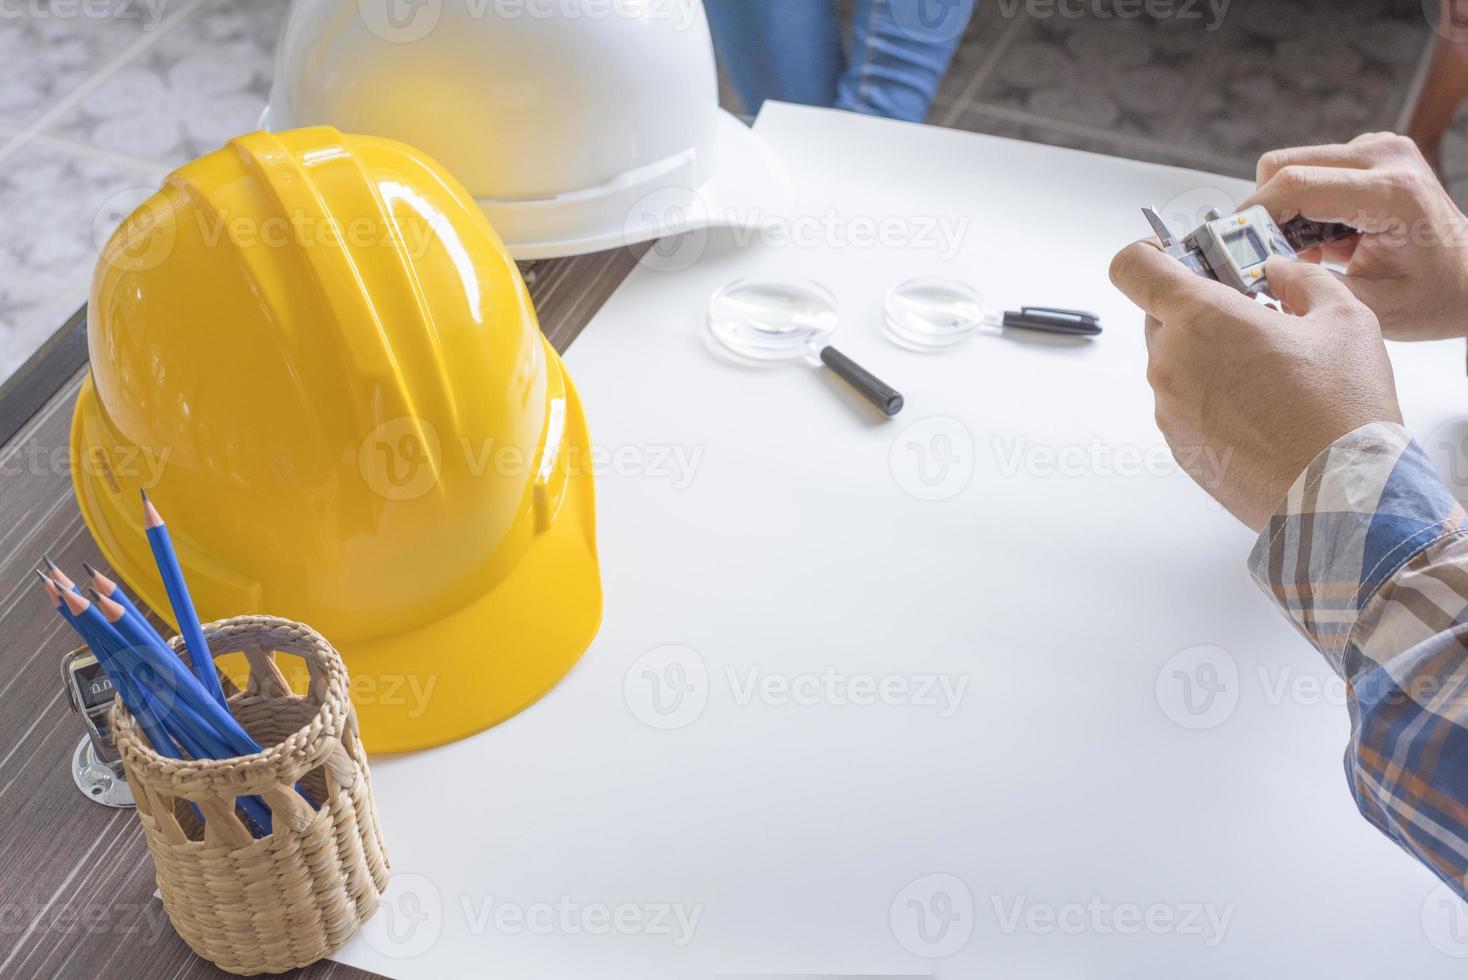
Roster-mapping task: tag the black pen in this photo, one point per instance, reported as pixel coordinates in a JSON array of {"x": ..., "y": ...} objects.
[{"x": 1075, "y": 323}]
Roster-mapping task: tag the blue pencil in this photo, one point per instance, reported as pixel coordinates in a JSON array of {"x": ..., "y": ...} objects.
[
  {"x": 176, "y": 677},
  {"x": 113, "y": 591},
  {"x": 178, "y": 597},
  {"x": 100, "y": 645}
]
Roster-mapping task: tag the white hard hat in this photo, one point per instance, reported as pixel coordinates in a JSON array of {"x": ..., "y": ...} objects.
[{"x": 578, "y": 125}]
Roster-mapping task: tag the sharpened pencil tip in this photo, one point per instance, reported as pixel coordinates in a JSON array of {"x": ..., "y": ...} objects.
[
  {"x": 74, "y": 602},
  {"x": 111, "y": 611},
  {"x": 55, "y": 574},
  {"x": 150, "y": 514},
  {"x": 90, "y": 570},
  {"x": 51, "y": 591}
]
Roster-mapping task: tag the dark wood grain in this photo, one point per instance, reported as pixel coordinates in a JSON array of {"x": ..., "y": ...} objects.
[{"x": 76, "y": 881}]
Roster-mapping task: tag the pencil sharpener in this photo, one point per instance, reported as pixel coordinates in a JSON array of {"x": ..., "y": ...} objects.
[
  {"x": 1237, "y": 246},
  {"x": 96, "y": 767}
]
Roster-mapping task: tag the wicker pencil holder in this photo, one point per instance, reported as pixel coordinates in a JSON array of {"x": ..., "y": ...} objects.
[{"x": 283, "y": 901}]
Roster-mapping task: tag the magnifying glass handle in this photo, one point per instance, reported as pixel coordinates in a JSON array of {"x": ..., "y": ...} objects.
[{"x": 868, "y": 385}]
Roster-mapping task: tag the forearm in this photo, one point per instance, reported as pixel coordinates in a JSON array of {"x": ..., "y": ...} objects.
[{"x": 1369, "y": 559}]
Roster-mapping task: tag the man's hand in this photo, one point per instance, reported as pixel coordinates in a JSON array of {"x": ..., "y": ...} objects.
[
  {"x": 1264, "y": 390},
  {"x": 1410, "y": 264}
]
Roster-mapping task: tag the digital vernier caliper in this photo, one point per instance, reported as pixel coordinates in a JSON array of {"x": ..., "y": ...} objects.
[{"x": 1233, "y": 249}]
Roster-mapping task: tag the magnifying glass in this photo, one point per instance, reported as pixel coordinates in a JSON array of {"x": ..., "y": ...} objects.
[
  {"x": 936, "y": 314},
  {"x": 765, "y": 322}
]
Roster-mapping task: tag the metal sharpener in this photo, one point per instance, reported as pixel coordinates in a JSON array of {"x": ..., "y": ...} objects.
[{"x": 96, "y": 767}]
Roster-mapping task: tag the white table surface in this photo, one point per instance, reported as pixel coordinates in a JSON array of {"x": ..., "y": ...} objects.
[{"x": 1071, "y": 804}]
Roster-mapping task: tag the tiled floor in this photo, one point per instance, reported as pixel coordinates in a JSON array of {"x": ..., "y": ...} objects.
[{"x": 95, "y": 110}]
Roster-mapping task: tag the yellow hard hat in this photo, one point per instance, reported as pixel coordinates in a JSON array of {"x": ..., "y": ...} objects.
[{"x": 315, "y": 354}]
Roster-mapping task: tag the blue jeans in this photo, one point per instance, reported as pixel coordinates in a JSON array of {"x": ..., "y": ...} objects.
[{"x": 791, "y": 51}]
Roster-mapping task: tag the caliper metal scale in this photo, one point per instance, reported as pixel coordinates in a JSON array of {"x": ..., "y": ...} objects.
[{"x": 1233, "y": 249}]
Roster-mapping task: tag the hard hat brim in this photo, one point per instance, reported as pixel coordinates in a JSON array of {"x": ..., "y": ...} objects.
[
  {"x": 750, "y": 190},
  {"x": 449, "y": 679}
]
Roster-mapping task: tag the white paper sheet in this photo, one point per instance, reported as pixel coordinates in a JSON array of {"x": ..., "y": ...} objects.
[{"x": 1075, "y": 804}]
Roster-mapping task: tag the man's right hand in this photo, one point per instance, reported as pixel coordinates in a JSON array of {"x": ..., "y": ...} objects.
[{"x": 1410, "y": 264}]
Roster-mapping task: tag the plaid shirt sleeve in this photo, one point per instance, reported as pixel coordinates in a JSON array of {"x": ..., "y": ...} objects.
[{"x": 1368, "y": 558}]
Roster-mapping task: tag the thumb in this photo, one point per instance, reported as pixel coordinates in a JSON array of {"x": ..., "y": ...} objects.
[{"x": 1303, "y": 286}]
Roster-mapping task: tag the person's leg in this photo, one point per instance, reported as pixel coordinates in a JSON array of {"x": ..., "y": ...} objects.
[
  {"x": 900, "y": 50},
  {"x": 1446, "y": 83},
  {"x": 788, "y": 50}
]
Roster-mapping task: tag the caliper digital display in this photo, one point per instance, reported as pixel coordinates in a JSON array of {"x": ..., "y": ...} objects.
[{"x": 1233, "y": 249}]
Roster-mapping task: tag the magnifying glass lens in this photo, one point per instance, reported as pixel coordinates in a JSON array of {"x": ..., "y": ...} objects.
[{"x": 772, "y": 321}]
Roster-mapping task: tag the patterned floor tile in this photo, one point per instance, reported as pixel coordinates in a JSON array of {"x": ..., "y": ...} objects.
[
  {"x": 47, "y": 54},
  {"x": 1269, "y": 73},
  {"x": 59, "y": 208},
  {"x": 1302, "y": 73},
  {"x": 203, "y": 83}
]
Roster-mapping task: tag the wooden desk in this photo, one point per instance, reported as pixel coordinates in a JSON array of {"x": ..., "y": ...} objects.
[{"x": 76, "y": 882}]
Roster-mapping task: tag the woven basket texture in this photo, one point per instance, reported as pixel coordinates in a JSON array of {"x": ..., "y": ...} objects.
[{"x": 276, "y": 903}]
